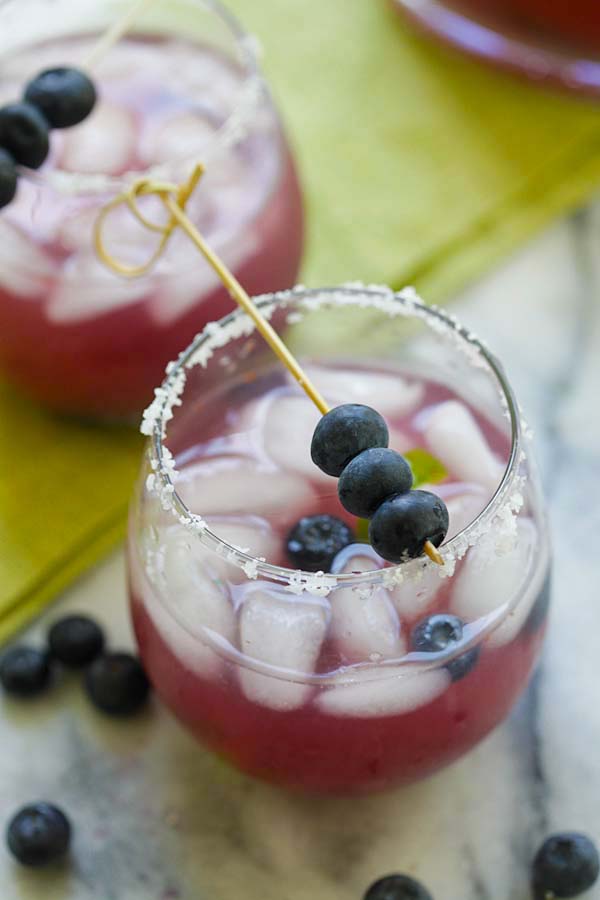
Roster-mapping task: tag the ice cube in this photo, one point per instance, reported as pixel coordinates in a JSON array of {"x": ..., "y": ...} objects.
[
  {"x": 453, "y": 435},
  {"x": 382, "y": 692},
  {"x": 399, "y": 440},
  {"x": 104, "y": 144},
  {"x": 487, "y": 581},
  {"x": 390, "y": 394},
  {"x": 25, "y": 269},
  {"x": 88, "y": 289},
  {"x": 413, "y": 596},
  {"x": 123, "y": 235},
  {"x": 181, "y": 136},
  {"x": 233, "y": 485},
  {"x": 194, "y": 601},
  {"x": 186, "y": 279},
  {"x": 364, "y": 622},
  {"x": 463, "y": 506},
  {"x": 282, "y": 631},
  {"x": 250, "y": 534},
  {"x": 357, "y": 558},
  {"x": 289, "y": 423}
]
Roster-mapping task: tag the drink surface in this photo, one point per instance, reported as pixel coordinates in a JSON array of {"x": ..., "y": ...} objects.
[
  {"x": 102, "y": 341},
  {"x": 319, "y": 692}
]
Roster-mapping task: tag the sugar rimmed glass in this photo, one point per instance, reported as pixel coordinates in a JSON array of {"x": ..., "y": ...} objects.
[
  {"x": 184, "y": 85},
  {"x": 311, "y": 680}
]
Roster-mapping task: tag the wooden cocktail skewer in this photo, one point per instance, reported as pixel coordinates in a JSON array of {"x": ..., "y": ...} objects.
[
  {"x": 115, "y": 32},
  {"x": 175, "y": 197}
]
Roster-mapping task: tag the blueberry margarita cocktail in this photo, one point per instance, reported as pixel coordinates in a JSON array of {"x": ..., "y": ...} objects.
[
  {"x": 283, "y": 605},
  {"x": 182, "y": 86}
]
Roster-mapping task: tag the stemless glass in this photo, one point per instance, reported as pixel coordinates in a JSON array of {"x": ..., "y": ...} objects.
[
  {"x": 322, "y": 681},
  {"x": 548, "y": 40},
  {"x": 182, "y": 86}
]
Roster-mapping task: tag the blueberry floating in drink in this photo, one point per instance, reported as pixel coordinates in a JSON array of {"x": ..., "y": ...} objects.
[
  {"x": 440, "y": 633},
  {"x": 315, "y": 541}
]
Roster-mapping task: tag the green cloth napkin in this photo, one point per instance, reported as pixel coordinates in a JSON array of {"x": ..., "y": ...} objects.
[{"x": 419, "y": 167}]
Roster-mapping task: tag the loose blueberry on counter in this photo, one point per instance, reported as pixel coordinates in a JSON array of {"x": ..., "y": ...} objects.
[
  {"x": 566, "y": 865},
  {"x": 438, "y": 633},
  {"x": 24, "y": 671},
  {"x": 314, "y": 541},
  {"x": 404, "y": 523},
  {"x": 75, "y": 641},
  {"x": 65, "y": 96},
  {"x": 397, "y": 887},
  {"x": 343, "y": 433},
  {"x": 24, "y": 133},
  {"x": 372, "y": 477},
  {"x": 8, "y": 178},
  {"x": 117, "y": 684},
  {"x": 38, "y": 834}
]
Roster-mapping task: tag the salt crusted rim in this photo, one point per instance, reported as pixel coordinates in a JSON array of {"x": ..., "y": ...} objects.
[
  {"x": 233, "y": 129},
  {"x": 499, "y": 514}
]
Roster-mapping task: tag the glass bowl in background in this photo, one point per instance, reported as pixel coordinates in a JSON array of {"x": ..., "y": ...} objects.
[
  {"x": 317, "y": 680},
  {"x": 550, "y": 41},
  {"x": 182, "y": 86}
]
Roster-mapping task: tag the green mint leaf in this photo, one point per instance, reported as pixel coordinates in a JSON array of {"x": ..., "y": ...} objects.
[
  {"x": 426, "y": 468},
  {"x": 362, "y": 531}
]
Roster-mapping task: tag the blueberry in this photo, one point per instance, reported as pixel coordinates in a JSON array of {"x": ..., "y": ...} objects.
[
  {"x": 314, "y": 541},
  {"x": 75, "y": 640},
  {"x": 402, "y": 524},
  {"x": 117, "y": 684},
  {"x": 24, "y": 133},
  {"x": 397, "y": 887},
  {"x": 343, "y": 433},
  {"x": 566, "y": 865},
  {"x": 8, "y": 178},
  {"x": 38, "y": 834},
  {"x": 438, "y": 633},
  {"x": 64, "y": 96},
  {"x": 372, "y": 477},
  {"x": 24, "y": 671}
]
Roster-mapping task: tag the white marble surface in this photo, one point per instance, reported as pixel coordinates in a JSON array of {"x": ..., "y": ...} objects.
[{"x": 157, "y": 818}]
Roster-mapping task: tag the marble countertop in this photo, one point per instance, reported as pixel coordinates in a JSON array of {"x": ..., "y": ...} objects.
[{"x": 158, "y": 818}]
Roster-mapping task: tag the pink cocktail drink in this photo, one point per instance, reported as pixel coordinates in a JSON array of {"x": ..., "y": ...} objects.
[
  {"x": 318, "y": 680},
  {"x": 74, "y": 334}
]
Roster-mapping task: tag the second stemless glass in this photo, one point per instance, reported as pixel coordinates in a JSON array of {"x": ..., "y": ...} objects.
[
  {"x": 318, "y": 680},
  {"x": 182, "y": 86},
  {"x": 548, "y": 40}
]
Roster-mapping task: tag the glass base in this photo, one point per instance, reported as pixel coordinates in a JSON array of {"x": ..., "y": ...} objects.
[{"x": 512, "y": 47}]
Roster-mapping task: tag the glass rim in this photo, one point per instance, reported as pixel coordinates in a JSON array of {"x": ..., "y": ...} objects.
[
  {"x": 251, "y": 87},
  {"x": 160, "y": 411}
]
